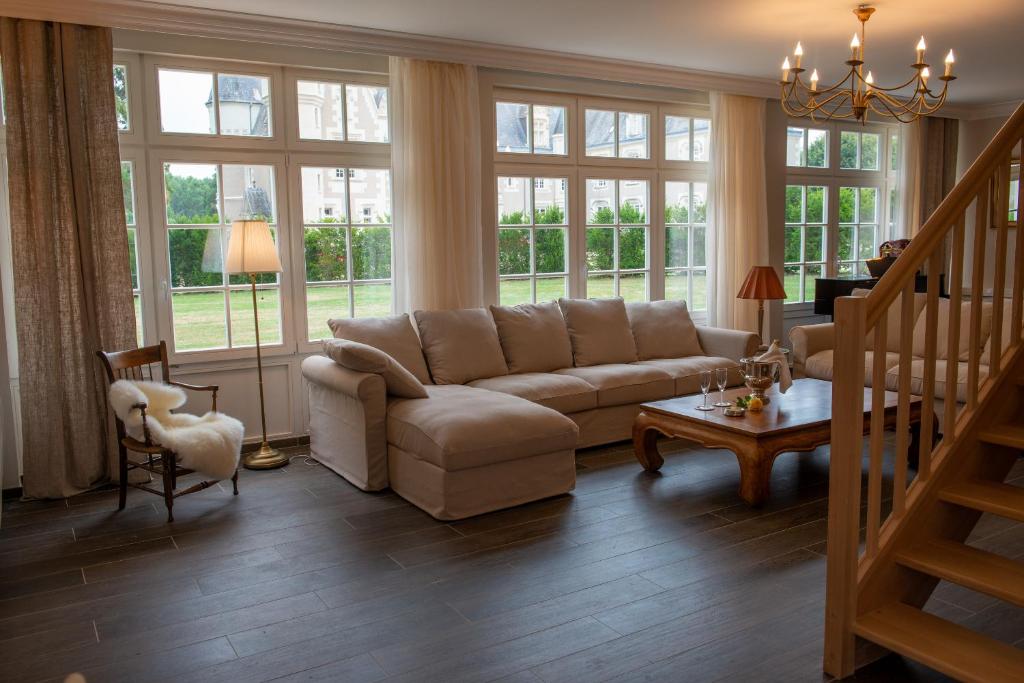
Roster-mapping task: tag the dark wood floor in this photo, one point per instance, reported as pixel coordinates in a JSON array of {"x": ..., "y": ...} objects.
[{"x": 303, "y": 577}]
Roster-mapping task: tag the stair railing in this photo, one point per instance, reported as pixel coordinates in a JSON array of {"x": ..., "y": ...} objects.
[{"x": 977, "y": 206}]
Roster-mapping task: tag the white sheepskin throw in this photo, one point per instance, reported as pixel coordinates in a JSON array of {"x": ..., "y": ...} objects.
[{"x": 210, "y": 444}]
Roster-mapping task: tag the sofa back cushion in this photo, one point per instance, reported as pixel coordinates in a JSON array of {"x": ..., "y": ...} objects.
[
  {"x": 460, "y": 346},
  {"x": 365, "y": 358},
  {"x": 942, "y": 338},
  {"x": 394, "y": 335},
  {"x": 599, "y": 331},
  {"x": 663, "y": 329},
  {"x": 533, "y": 337},
  {"x": 895, "y": 324},
  {"x": 1003, "y": 332}
]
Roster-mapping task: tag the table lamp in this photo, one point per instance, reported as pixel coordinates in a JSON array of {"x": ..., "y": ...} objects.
[
  {"x": 761, "y": 283},
  {"x": 251, "y": 251}
]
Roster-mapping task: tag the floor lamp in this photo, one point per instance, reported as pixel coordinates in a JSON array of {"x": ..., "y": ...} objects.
[
  {"x": 251, "y": 251},
  {"x": 762, "y": 283}
]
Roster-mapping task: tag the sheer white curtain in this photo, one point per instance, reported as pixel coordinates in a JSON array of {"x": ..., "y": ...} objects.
[
  {"x": 908, "y": 219},
  {"x": 436, "y": 159},
  {"x": 738, "y": 213}
]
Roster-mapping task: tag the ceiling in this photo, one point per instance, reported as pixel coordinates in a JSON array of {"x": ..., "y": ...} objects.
[{"x": 743, "y": 37}]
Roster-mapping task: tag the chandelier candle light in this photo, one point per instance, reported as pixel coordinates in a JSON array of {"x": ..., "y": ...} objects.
[{"x": 857, "y": 93}]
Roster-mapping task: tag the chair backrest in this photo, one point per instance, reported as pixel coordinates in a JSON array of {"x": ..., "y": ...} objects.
[{"x": 136, "y": 364}]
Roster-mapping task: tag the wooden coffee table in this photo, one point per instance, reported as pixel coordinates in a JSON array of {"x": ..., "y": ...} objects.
[{"x": 799, "y": 420}]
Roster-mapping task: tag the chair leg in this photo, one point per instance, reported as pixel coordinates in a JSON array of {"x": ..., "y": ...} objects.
[
  {"x": 123, "y": 476},
  {"x": 169, "y": 477},
  {"x": 234, "y": 481}
]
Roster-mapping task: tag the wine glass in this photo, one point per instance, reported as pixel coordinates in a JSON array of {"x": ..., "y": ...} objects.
[
  {"x": 705, "y": 386},
  {"x": 722, "y": 379}
]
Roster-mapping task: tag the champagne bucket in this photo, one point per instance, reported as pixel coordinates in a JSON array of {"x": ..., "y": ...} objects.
[{"x": 759, "y": 376}]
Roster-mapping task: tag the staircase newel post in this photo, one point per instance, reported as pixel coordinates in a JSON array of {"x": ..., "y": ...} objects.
[{"x": 845, "y": 485}]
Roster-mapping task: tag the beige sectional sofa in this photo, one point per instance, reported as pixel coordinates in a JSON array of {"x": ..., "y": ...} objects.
[{"x": 507, "y": 395}]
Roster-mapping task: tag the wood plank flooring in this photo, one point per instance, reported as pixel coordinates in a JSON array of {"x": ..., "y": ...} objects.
[{"x": 633, "y": 577}]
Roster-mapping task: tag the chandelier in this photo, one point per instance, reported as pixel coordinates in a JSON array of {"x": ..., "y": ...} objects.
[{"x": 857, "y": 94}]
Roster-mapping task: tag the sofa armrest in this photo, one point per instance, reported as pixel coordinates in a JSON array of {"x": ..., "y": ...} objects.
[
  {"x": 734, "y": 344},
  {"x": 348, "y": 421},
  {"x": 808, "y": 340}
]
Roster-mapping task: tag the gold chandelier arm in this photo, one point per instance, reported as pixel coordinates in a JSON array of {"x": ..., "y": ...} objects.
[
  {"x": 915, "y": 78},
  {"x": 903, "y": 116}
]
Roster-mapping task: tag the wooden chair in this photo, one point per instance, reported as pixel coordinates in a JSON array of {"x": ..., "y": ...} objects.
[{"x": 137, "y": 364}]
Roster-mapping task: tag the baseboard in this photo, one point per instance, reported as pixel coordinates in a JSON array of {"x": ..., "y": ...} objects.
[
  {"x": 12, "y": 493},
  {"x": 287, "y": 442}
]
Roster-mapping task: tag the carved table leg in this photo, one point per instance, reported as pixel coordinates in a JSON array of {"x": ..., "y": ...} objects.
[
  {"x": 645, "y": 446},
  {"x": 755, "y": 473}
]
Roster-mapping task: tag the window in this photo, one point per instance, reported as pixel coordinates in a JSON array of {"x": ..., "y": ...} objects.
[
  {"x": 121, "y": 97},
  {"x": 807, "y": 147},
  {"x": 617, "y": 241},
  {"x": 209, "y": 308},
  {"x": 324, "y": 114},
  {"x": 128, "y": 188},
  {"x": 805, "y": 249},
  {"x": 530, "y": 128},
  {"x": 1014, "y": 191},
  {"x": 687, "y": 138},
  {"x": 614, "y": 134},
  {"x": 532, "y": 240},
  {"x": 858, "y": 228},
  {"x": 347, "y": 261},
  {"x": 686, "y": 266},
  {"x": 188, "y": 99},
  {"x": 858, "y": 151}
]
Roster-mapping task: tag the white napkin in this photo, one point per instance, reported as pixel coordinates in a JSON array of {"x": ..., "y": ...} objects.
[{"x": 774, "y": 353}]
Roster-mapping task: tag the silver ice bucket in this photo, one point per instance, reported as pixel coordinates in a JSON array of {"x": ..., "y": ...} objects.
[{"x": 759, "y": 376}]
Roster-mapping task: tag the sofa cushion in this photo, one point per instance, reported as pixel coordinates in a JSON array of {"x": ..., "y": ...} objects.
[
  {"x": 685, "y": 372},
  {"x": 564, "y": 393},
  {"x": 620, "y": 383},
  {"x": 892, "y": 336},
  {"x": 394, "y": 335},
  {"x": 365, "y": 358},
  {"x": 460, "y": 345},
  {"x": 942, "y": 338},
  {"x": 892, "y": 378},
  {"x": 819, "y": 366},
  {"x": 1004, "y": 336},
  {"x": 460, "y": 427},
  {"x": 533, "y": 337},
  {"x": 663, "y": 329},
  {"x": 599, "y": 331}
]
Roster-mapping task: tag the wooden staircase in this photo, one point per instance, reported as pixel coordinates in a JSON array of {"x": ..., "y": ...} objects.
[{"x": 876, "y": 590}]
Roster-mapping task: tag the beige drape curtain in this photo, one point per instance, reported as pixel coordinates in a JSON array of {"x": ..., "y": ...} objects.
[
  {"x": 72, "y": 284},
  {"x": 738, "y": 213},
  {"x": 436, "y": 159},
  {"x": 927, "y": 170}
]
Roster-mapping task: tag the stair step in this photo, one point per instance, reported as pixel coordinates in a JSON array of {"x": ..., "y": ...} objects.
[
  {"x": 999, "y": 499},
  {"x": 944, "y": 646},
  {"x": 1004, "y": 435},
  {"x": 976, "y": 569}
]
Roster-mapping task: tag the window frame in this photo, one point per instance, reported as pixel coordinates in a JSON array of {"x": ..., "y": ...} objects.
[
  {"x": 531, "y": 98},
  {"x": 143, "y": 243},
  {"x": 294, "y": 141},
  {"x": 135, "y": 83},
  {"x": 684, "y": 176},
  {"x": 654, "y": 146},
  {"x": 691, "y": 112}
]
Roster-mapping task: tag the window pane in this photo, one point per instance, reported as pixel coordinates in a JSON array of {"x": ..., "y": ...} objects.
[
  {"x": 186, "y": 101},
  {"x": 794, "y": 235},
  {"x": 894, "y": 152},
  {"x": 513, "y": 201},
  {"x": 676, "y": 285},
  {"x": 633, "y": 136},
  {"x": 817, "y": 148},
  {"x": 550, "y": 288},
  {"x": 846, "y": 246},
  {"x": 128, "y": 191},
  {"x": 600, "y": 202},
  {"x": 794, "y": 204},
  {"x": 513, "y": 127},
  {"x": 600, "y": 133},
  {"x": 600, "y": 249},
  {"x": 322, "y": 304},
  {"x": 372, "y": 300},
  {"x": 244, "y": 103},
  {"x": 848, "y": 149},
  {"x": 323, "y": 195},
  {"x": 195, "y": 257},
  {"x": 366, "y": 108},
  {"x": 326, "y": 255},
  {"x": 371, "y": 253},
  {"x": 550, "y": 250},
  {"x": 868, "y": 212},
  {"x": 814, "y": 243},
  {"x": 701, "y": 140},
  {"x": 866, "y": 238},
  {"x": 133, "y": 258},
  {"x": 632, "y": 248},
  {"x": 320, "y": 111},
  {"x": 121, "y": 96},
  {"x": 869, "y": 151},
  {"x": 791, "y": 283},
  {"x": 600, "y": 286},
  {"x": 549, "y": 201},
  {"x": 810, "y": 273},
  {"x": 249, "y": 192},
  {"x": 677, "y": 202},
  {"x": 677, "y": 138},
  {"x": 199, "y": 320},
  {"x": 370, "y": 195},
  {"x": 633, "y": 201},
  {"x": 513, "y": 251},
  {"x": 268, "y": 303},
  {"x": 633, "y": 286},
  {"x": 815, "y": 205},
  {"x": 699, "y": 300},
  {"x": 847, "y": 205},
  {"x": 676, "y": 247},
  {"x": 700, "y": 202},
  {"x": 139, "y": 336},
  {"x": 699, "y": 246},
  {"x": 191, "y": 193},
  {"x": 795, "y": 147},
  {"x": 548, "y": 129},
  {"x": 512, "y": 292}
]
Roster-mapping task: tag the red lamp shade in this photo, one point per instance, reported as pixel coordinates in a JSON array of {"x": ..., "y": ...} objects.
[{"x": 762, "y": 283}]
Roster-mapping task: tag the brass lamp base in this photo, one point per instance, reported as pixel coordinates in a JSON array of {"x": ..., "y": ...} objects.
[{"x": 266, "y": 458}]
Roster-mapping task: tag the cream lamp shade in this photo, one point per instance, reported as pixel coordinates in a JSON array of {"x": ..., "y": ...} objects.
[{"x": 251, "y": 248}]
